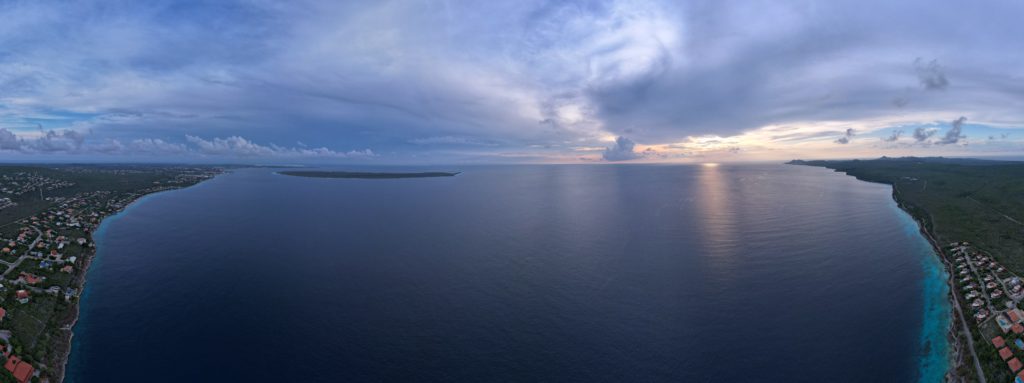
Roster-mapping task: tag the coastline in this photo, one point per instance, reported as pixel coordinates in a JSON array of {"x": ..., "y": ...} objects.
[
  {"x": 959, "y": 335},
  {"x": 67, "y": 324},
  {"x": 955, "y": 354}
]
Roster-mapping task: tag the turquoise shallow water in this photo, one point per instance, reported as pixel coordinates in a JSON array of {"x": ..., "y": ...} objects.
[{"x": 936, "y": 311}]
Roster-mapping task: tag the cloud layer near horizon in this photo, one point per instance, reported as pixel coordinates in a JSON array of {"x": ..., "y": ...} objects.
[{"x": 399, "y": 81}]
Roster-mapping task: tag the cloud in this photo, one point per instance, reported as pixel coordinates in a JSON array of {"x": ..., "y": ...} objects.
[
  {"x": 622, "y": 150},
  {"x": 953, "y": 135},
  {"x": 921, "y": 134},
  {"x": 385, "y": 75},
  {"x": 448, "y": 140},
  {"x": 236, "y": 146},
  {"x": 930, "y": 74},
  {"x": 155, "y": 146},
  {"x": 46, "y": 141},
  {"x": 895, "y": 136},
  {"x": 900, "y": 102},
  {"x": 56, "y": 141},
  {"x": 847, "y": 136},
  {"x": 9, "y": 141}
]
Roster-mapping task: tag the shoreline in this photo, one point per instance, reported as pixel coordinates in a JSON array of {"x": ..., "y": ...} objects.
[
  {"x": 955, "y": 354},
  {"x": 955, "y": 337},
  {"x": 67, "y": 324},
  {"x": 959, "y": 335}
]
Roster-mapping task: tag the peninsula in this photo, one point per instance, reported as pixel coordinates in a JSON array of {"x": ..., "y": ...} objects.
[
  {"x": 972, "y": 211},
  {"x": 370, "y": 175},
  {"x": 47, "y": 217}
]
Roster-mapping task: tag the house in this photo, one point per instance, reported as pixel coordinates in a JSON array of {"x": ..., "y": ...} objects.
[
  {"x": 1005, "y": 353},
  {"x": 1004, "y": 324},
  {"x": 1016, "y": 316},
  {"x": 21, "y": 370},
  {"x": 3, "y": 313},
  {"x": 71, "y": 293},
  {"x": 22, "y": 296},
  {"x": 30, "y": 278},
  {"x": 53, "y": 290},
  {"x": 1014, "y": 364},
  {"x": 67, "y": 269},
  {"x": 81, "y": 241},
  {"x": 1017, "y": 328}
]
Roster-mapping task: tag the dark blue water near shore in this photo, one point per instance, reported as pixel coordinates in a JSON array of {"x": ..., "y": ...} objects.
[{"x": 515, "y": 273}]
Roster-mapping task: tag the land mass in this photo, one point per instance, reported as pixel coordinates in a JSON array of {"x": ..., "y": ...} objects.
[
  {"x": 371, "y": 175},
  {"x": 47, "y": 217},
  {"x": 973, "y": 213}
]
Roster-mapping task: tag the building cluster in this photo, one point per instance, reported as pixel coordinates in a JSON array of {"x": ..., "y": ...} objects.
[
  {"x": 18, "y": 183},
  {"x": 984, "y": 283},
  {"x": 992, "y": 293},
  {"x": 41, "y": 255}
]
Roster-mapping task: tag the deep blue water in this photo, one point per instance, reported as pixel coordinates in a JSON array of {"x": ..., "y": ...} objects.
[{"x": 516, "y": 273}]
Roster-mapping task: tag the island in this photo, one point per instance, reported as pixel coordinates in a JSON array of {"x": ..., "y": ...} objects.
[
  {"x": 369, "y": 175},
  {"x": 972, "y": 211},
  {"x": 48, "y": 214}
]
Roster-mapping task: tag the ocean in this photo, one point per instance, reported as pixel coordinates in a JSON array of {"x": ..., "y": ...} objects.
[{"x": 546, "y": 273}]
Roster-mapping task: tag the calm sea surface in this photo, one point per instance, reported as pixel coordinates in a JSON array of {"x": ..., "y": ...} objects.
[{"x": 516, "y": 274}]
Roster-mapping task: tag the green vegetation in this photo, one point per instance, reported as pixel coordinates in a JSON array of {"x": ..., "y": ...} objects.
[
  {"x": 978, "y": 201},
  {"x": 45, "y": 211},
  {"x": 330, "y": 174}
]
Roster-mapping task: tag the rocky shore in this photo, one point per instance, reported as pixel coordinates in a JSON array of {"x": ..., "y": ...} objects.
[
  {"x": 961, "y": 356},
  {"x": 67, "y": 323}
]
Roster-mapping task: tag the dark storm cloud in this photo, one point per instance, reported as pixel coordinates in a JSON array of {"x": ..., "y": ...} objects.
[
  {"x": 845, "y": 139},
  {"x": 953, "y": 135},
  {"x": 895, "y": 136},
  {"x": 921, "y": 134},
  {"x": 930, "y": 74},
  {"x": 621, "y": 150}
]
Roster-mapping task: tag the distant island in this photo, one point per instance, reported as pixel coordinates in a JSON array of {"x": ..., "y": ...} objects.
[
  {"x": 972, "y": 211},
  {"x": 370, "y": 175}
]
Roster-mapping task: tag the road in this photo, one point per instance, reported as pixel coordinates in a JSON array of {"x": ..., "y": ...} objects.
[{"x": 13, "y": 265}]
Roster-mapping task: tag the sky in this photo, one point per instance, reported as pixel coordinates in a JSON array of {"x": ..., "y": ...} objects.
[{"x": 523, "y": 81}]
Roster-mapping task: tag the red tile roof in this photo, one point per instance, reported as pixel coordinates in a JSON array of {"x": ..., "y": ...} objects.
[
  {"x": 11, "y": 363},
  {"x": 23, "y": 372},
  {"x": 30, "y": 278},
  {"x": 22, "y": 294},
  {"x": 1017, "y": 328},
  {"x": 998, "y": 342},
  {"x": 1014, "y": 364},
  {"x": 1013, "y": 316},
  {"x": 1005, "y": 353}
]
